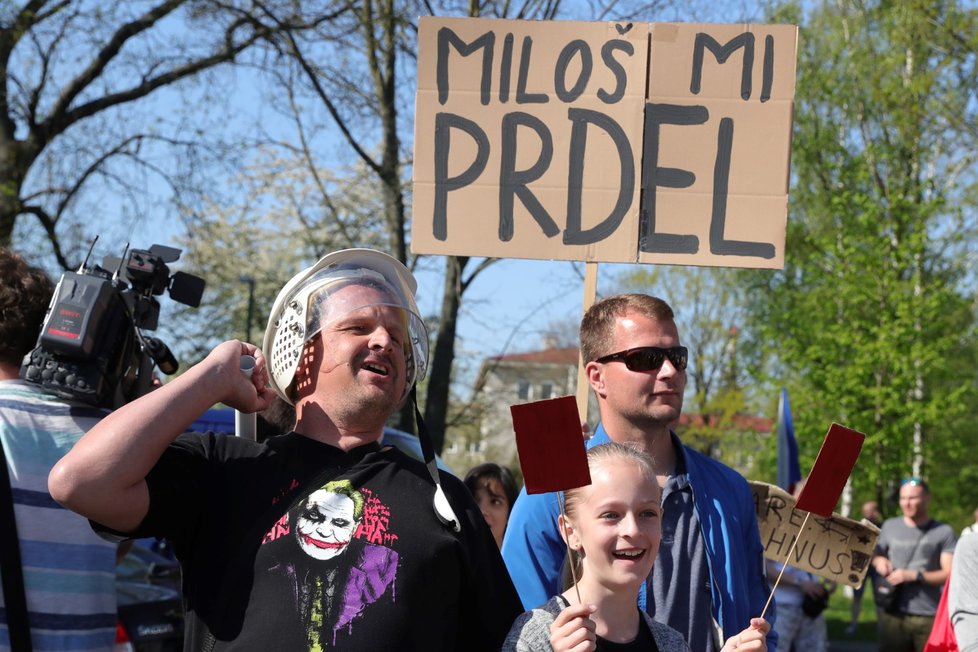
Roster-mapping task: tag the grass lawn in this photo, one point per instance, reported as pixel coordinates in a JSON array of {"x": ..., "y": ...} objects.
[{"x": 839, "y": 613}]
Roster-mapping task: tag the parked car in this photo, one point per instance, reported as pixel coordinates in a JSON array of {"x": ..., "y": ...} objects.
[{"x": 150, "y": 606}]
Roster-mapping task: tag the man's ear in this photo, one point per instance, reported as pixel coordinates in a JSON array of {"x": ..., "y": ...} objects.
[{"x": 595, "y": 377}]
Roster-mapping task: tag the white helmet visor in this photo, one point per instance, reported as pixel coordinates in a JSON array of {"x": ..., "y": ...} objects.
[{"x": 312, "y": 300}]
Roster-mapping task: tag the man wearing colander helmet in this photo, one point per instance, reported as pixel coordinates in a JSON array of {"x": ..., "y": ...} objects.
[
  {"x": 414, "y": 569},
  {"x": 344, "y": 285}
]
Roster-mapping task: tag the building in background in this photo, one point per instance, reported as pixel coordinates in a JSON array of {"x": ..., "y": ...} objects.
[{"x": 510, "y": 379}]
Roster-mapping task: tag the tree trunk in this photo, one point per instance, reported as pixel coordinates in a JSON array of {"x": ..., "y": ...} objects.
[
  {"x": 11, "y": 179},
  {"x": 440, "y": 372}
]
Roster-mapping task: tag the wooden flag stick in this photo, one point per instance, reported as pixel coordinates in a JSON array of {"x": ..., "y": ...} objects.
[
  {"x": 794, "y": 543},
  {"x": 570, "y": 557}
]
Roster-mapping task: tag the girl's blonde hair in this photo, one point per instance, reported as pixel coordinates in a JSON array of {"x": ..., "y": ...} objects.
[{"x": 596, "y": 457}]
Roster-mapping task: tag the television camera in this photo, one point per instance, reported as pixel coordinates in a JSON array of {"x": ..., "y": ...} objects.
[{"x": 91, "y": 347}]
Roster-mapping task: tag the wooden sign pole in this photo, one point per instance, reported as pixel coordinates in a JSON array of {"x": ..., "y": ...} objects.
[{"x": 590, "y": 290}]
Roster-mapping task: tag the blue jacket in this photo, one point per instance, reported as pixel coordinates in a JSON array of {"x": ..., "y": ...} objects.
[{"x": 534, "y": 552}]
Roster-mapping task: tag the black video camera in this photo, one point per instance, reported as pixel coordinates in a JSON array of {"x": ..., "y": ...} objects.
[{"x": 91, "y": 348}]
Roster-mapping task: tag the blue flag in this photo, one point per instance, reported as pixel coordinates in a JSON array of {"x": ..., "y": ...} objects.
[{"x": 789, "y": 471}]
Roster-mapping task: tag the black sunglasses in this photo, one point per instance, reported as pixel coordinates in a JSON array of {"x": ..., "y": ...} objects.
[{"x": 650, "y": 358}]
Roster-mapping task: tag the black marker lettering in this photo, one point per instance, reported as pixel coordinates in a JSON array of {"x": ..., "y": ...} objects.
[
  {"x": 776, "y": 504},
  {"x": 841, "y": 561},
  {"x": 797, "y": 517},
  {"x": 775, "y": 541},
  {"x": 653, "y": 177},
  {"x": 505, "y": 68},
  {"x": 817, "y": 564},
  {"x": 800, "y": 548},
  {"x": 575, "y": 47},
  {"x": 522, "y": 97},
  {"x": 513, "y": 183},
  {"x": 703, "y": 40},
  {"x": 718, "y": 222},
  {"x": 444, "y": 123},
  {"x": 621, "y": 77},
  {"x": 446, "y": 38},
  {"x": 580, "y": 118},
  {"x": 860, "y": 560},
  {"x": 767, "y": 80}
]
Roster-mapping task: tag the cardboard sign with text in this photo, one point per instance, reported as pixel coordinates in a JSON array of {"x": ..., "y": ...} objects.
[
  {"x": 836, "y": 548},
  {"x": 605, "y": 142}
]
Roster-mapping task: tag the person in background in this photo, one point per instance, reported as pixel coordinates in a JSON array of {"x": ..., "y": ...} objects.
[
  {"x": 914, "y": 554},
  {"x": 962, "y": 598},
  {"x": 872, "y": 515},
  {"x": 709, "y": 579},
  {"x": 797, "y": 592},
  {"x": 68, "y": 571},
  {"x": 494, "y": 489}
]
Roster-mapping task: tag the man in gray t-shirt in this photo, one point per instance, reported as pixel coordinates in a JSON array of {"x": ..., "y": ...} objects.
[{"x": 914, "y": 554}]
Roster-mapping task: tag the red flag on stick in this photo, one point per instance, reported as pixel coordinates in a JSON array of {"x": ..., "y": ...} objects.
[
  {"x": 838, "y": 455},
  {"x": 550, "y": 444},
  {"x": 839, "y": 452}
]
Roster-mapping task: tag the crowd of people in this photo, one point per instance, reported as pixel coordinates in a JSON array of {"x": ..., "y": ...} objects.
[{"x": 320, "y": 537}]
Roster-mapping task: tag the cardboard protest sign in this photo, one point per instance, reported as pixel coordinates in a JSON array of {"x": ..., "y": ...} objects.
[
  {"x": 717, "y": 144},
  {"x": 833, "y": 547},
  {"x": 550, "y": 444},
  {"x": 617, "y": 142},
  {"x": 833, "y": 465}
]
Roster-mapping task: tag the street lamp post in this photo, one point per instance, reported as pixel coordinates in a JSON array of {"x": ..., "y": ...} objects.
[{"x": 250, "y": 280}]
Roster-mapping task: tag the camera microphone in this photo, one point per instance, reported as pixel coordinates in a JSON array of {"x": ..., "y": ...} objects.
[{"x": 161, "y": 355}]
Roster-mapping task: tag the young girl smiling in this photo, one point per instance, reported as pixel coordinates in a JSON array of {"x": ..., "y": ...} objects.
[{"x": 612, "y": 528}]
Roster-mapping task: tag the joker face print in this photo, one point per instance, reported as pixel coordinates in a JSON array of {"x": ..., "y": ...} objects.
[{"x": 326, "y": 522}]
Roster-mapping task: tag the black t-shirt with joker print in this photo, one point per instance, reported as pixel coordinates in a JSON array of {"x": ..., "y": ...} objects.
[{"x": 295, "y": 545}]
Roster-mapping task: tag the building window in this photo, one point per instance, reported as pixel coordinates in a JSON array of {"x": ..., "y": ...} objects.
[
  {"x": 523, "y": 390},
  {"x": 546, "y": 390}
]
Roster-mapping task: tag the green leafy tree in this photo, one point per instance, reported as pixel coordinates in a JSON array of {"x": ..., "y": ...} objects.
[{"x": 870, "y": 323}]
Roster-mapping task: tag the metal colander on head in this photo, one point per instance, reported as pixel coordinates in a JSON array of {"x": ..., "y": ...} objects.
[{"x": 305, "y": 305}]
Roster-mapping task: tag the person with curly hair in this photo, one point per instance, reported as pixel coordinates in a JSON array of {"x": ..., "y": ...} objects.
[{"x": 60, "y": 555}]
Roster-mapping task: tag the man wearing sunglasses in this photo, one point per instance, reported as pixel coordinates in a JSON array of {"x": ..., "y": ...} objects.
[
  {"x": 709, "y": 579},
  {"x": 913, "y": 554}
]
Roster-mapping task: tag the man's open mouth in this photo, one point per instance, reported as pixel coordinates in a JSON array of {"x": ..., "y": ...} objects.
[{"x": 376, "y": 368}]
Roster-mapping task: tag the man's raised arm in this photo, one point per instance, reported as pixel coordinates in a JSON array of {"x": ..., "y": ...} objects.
[{"x": 103, "y": 477}]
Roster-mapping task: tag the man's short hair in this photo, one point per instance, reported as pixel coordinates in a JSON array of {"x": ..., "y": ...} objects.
[
  {"x": 916, "y": 482},
  {"x": 598, "y": 324},
  {"x": 25, "y": 292}
]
